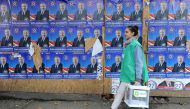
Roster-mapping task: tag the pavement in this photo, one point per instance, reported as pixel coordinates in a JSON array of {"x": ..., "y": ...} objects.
[{"x": 76, "y": 101}]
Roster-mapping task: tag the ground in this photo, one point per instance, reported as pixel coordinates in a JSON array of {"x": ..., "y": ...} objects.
[{"x": 51, "y": 101}]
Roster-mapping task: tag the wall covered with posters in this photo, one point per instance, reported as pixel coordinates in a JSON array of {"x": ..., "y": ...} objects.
[{"x": 61, "y": 27}]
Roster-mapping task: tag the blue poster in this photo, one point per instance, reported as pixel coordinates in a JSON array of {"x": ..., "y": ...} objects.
[
  {"x": 21, "y": 36},
  {"x": 159, "y": 10},
  {"x": 5, "y": 11},
  {"x": 158, "y": 36},
  {"x": 134, "y": 10}
]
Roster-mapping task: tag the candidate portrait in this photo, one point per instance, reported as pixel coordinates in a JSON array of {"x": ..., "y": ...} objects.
[
  {"x": 7, "y": 40},
  {"x": 180, "y": 65},
  {"x": 81, "y": 13},
  {"x": 5, "y": 14},
  {"x": 161, "y": 65},
  {"x": 98, "y": 35},
  {"x": 92, "y": 67},
  {"x": 117, "y": 41},
  {"x": 162, "y": 39},
  {"x": 4, "y": 66},
  {"x": 21, "y": 67},
  {"x": 162, "y": 14},
  {"x": 61, "y": 41},
  {"x": 75, "y": 66},
  {"x": 182, "y": 13},
  {"x": 57, "y": 66},
  {"x": 43, "y": 13},
  {"x": 137, "y": 14},
  {"x": 43, "y": 41},
  {"x": 119, "y": 13},
  {"x": 24, "y": 14},
  {"x": 62, "y": 13},
  {"x": 79, "y": 40},
  {"x": 99, "y": 13},
  {"x": 25, "y": 40},
  {"x": 116, "y": 66},
  {"x": 181, "y": 39}
]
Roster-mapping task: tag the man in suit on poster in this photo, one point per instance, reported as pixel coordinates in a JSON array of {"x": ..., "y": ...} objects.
[
  {"x": 57, "y": 66},
  {"x": 99, "y": 13},
  {"x": 62, "y": 14},
  {"x": 92, "y": 68},
  {"x": 41, "y": 69},
  {"x": 5, "y": 14},
  {"x": 62, "y": 40},
  {"x": 161, "y": 65},
  {"x": 25, "y": 40},
  {"x": 79, "y": 40},
  {"x": 180, "y": 65},
  {"x": 7, "y": 40},
  {"x": 119, "y": 14},
  {"x": 118, "y": 40},
  {"x": 137, "y": 14},
  {"x": 162, "y": 14},
  {"x": 182, "y": 12},
  {"x": 4, "y": 66},
  {"x": 81, "y": 13},
  {"x": 181, "y": 39},
  {"x": 24, "y": 14},
  {"x": 75, "y": 67},
  {"x": 162, "y": 39},
  {"x": 21, "y": 67},
  {"x": 43, "y": 14},
  {"x": 43, "y": 41},
  {"x": 116, "y": 67},
  {"x": 97, "y": 34}
]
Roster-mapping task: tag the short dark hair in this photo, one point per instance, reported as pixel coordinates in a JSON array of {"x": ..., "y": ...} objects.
[{"x": 133, "y": 29}]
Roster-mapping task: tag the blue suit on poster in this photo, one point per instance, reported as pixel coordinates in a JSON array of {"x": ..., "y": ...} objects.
[
  {"x": 21, "y": 68},
  {"x": 5, "y": 17},
  {"x": 136, "y": 16},
  {"x": 118, "y": 15},
  {"x": 42, "y": 15},
  {"x": 162, "y": 15},
  {"x": 74, "y": 68},
  {"x": 4, "y": 68},
  {"x": 160, "y": 67},
  {"x": 62, "y": 15},
  {"x": 181, "y": 15},
  {"x": 161, "y": 41},
  {"x": 78, "y": 42},
  {"x": 61, "y": 42},
  {"x": 116, "y": 67},
  {"x": 24, "y": 42},
  {"x": 180, "y": 41},
  {"x": 23, "y": 15},
  {"x": 43, "y": 42},
  {"x": 7, "y": 42},
  {"x": 117, "y": 42},
  {"x": 179, "y": 67},
  {"x": 91, "y": 68},
  {"x": 56, "y": 68},
  {"x": 81, "y": 15}
]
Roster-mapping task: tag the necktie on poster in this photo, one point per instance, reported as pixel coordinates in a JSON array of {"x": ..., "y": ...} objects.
[{"x": 97, "y": 47}]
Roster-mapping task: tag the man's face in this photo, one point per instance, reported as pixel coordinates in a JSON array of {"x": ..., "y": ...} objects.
[
  {"x": 21, "y": 60},
  {"x": 117, "y": 59},
  {"x": 137, "y": 7},
  {"x": 181, "y": 33},
  {"x": 163, "y": 6},
  {"x": 61, "y": 34},
  {"x": 99, "y": 6},
  {"x": 162, "y": 33},
  {"x": 180, "y": 59},
  {"x": 93, "y": 60},
  {"x": 24, "y": 7},
  {"x": 3, "y": 60},
  {"x": 161, "y": 59},
  {"x": 182, "y": 6},
  {"x": 42, "y": 7},
  {"x": 119, "y": 7},
  {"x": 80, "y": 6},
  {"x": 3, "y": 8},
  {"x": 118, "y": 33},
  {"x": 7, "y": 32},
  {"x": 75, "y": 60},
  {"x": 57, "y": 60},
  {"x": 43, "y": 34},
  {"x": 79, "y": 34},
  {"x": 25, "y": 34},
  {"x": 96, "y": 33},
  {"x": 62, "y": 6}
]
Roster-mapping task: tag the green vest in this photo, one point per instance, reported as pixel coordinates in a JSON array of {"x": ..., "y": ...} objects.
[{"x": 128, "y": 73}]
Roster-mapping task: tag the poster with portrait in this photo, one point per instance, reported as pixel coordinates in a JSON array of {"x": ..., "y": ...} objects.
[
  {"x": 179, "y": 10},
  {"x": 157, "y": 63},
  {"x": 177, "y": 36},
  {"x": 4, "y": 65},
  {"x": 22, "y": 36},
  {"x": 159, "y": 10},
  {"x": 6, "y": 34},
  {"x": 113, "y": 65},
  {"x": 40, "y": 35},
  {"x": 158, "y": 36},
  {"x": 20, "y": 10},
  {"x": 5, "y": 12},
  {"x": 135, "y": 10},
  {"x": 39, "y": 10}
]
